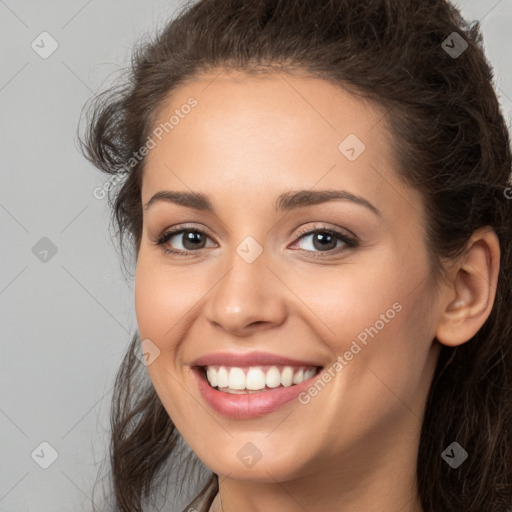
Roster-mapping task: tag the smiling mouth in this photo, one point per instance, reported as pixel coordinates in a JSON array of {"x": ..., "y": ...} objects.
[{"x": 256, "y": 379}]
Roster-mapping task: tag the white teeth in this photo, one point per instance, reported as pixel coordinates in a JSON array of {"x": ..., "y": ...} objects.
[
  {"x": 211, "y": 375},
  {"x": 287, "y": 376},
  {"x": 222, "y": 377},
  {"x": 235, "y": 379},
  {"x": 298, "y": 377},
  {"x": 309, "y": 373},
  {"x": 255, "y": 379},
  {"x": 273, "y": 377}
]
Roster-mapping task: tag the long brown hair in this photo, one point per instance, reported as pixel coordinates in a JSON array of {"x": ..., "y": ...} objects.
[{"x": 452, "y": 144}]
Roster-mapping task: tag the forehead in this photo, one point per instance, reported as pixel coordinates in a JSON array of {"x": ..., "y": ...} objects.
[
  {"x": 274, "y": 105},
  {"x": 254, "y": 136}
]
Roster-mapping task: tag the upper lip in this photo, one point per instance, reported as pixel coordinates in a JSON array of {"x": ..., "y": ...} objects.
[{"x": 249, "y": 359}]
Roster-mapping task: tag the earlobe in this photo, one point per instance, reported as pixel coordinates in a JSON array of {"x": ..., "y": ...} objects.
[{"x": 470, "y": 296}]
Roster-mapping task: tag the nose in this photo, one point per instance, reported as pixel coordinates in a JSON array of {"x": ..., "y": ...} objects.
[{"x": 248, "y": 298}]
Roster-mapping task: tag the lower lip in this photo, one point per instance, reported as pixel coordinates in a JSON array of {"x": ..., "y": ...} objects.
[{"x": 245, "y": 406}]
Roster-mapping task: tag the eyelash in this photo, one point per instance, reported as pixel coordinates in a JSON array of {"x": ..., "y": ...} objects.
[{"x": 347, "y": 240}]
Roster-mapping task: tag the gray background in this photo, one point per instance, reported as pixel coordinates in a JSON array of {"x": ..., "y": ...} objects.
[{"x": 66, "y": 318}]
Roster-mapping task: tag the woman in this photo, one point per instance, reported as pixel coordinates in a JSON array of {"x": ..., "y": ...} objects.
[{"x": 317, "y": 196}]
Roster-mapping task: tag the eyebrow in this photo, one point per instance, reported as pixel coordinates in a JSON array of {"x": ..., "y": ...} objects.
[{"x": 287, "y": 201}]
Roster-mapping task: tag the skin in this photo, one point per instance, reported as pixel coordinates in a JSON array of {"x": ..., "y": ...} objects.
[{"x": 354, "y": 445}]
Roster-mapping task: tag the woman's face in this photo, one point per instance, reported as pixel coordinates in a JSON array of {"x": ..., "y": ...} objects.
[{"x": 354, "y": 297}]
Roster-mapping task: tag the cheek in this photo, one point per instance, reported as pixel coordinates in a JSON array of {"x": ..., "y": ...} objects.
[
  {"x": 348, "y": 301},
  {"x": 377, "y": 317},
  {"x": 164, "y": 302},
  {"x": 395, "y": 332},
  {"x": 164, "y": 297}
]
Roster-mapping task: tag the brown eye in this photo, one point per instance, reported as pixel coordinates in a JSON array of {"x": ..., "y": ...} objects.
[
  {"x": 191, "y": 239},
  {"x": 325, "y": 240}
]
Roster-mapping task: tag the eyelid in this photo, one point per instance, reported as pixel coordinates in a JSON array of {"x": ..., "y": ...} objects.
[
  {"x": 326, "y": 227},
  {"x": 183, "y": 227}
]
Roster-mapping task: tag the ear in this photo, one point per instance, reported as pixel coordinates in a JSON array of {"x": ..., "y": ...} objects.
[{"x": 471, "y": 290}]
